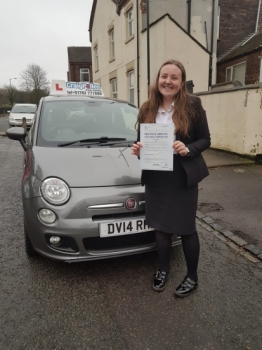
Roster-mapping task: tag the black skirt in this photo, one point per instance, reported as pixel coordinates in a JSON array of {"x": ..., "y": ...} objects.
[{"x": 170, "y": 205}]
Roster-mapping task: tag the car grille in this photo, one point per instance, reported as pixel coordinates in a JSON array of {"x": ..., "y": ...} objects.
[
  {"x": 131, "y": 214},
  {"x": 119, "y": 242}
]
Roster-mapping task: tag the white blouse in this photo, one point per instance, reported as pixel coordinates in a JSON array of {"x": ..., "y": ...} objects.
[{"x": 163, "y": 117}]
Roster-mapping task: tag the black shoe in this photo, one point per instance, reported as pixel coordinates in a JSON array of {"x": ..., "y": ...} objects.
[
  {"x": 186, "y": 288},
  {"x": 159, "y": 281}
]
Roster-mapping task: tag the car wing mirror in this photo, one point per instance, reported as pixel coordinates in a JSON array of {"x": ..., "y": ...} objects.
[{"x": 18, "y": 134}]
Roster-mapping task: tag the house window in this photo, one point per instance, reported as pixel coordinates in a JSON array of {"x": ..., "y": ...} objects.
[
  {"x": 84, "y": 74},
  {"x": 131, "y": 86},
  {"x": 112, "y": 43},
  {"x": 237, "y": 72},
  {"x": 113, "y": 83},
  {"x": 130, "y": 23},
  {"x": 96, "y": 57}
]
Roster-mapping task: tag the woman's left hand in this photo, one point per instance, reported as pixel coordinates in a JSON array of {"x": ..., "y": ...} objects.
[{"x": 180, "y": 147}]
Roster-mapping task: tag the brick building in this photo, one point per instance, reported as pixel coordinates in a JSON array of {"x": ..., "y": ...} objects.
[
  {"x": 237, "y": 21},
  {"x": 239, "y": 41},
  {"x": 243, "y": 63},
  {"x": 79, "y": 63}
]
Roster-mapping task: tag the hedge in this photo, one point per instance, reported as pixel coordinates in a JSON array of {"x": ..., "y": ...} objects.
[{"x": 3, "y": 110}]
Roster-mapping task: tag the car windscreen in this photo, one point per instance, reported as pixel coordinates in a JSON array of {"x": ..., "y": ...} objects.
[
  {"x": 24, "y": 109},
  {"x": 69, "y": 121}
]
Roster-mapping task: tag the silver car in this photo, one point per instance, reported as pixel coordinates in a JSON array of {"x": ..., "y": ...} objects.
[
  {"x": 81, "y": 189},
  {"x": 20, "y": 111}
]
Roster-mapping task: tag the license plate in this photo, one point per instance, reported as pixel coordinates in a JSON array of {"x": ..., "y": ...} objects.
[{"x": 118, "y": 228}]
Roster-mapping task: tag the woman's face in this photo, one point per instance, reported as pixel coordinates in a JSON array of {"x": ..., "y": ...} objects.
[{"x": 170, "y": 81}]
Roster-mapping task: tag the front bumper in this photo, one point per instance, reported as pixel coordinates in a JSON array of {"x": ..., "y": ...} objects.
[
  {"x": 78, "y": 226},
  {"x": 13, "y": 123}
]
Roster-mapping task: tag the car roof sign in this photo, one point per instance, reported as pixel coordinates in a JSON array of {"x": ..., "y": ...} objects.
[{"x": 62, "y": 87}]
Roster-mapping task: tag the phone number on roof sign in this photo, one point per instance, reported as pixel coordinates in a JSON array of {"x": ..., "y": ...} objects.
[{"x": 87, "y": 92}]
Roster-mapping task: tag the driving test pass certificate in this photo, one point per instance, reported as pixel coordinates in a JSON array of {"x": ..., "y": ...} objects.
[{"x": 157, "y": 151}]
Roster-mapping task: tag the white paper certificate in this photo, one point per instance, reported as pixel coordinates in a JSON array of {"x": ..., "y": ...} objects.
[{"x": 157, "y": 151}]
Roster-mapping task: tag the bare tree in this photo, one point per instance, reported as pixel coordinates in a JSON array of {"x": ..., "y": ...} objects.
[
  {"x": 10, "y": 93},
  {"x": 2, "y": 95},
  {"x": 34, "y": 81}
]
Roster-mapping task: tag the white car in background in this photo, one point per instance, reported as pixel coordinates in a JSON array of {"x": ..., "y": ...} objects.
[{"x": 20, "y": 111}]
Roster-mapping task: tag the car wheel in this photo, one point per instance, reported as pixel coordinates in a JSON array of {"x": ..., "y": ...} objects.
[{"x": 30, "y": 251}]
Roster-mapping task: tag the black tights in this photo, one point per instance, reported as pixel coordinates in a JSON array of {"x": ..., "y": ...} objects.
[{"x": 191, "y": 249}]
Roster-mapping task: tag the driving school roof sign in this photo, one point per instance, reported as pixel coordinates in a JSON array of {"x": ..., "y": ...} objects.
[{"x": 61, "y": 87}]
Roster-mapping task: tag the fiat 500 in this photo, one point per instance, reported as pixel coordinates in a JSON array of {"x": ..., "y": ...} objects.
[{"x": 81, "y": 189}]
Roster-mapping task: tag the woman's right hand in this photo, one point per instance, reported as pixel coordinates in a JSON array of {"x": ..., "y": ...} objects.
[{"x": 136, "y": 148}]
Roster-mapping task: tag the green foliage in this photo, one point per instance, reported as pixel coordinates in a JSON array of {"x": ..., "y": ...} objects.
[{"x": 5, "y": 108}]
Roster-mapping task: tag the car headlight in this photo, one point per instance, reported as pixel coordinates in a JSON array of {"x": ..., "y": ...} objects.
[
  {"x": 11, "y": 117},
  {"x": 55, "y": 191}
]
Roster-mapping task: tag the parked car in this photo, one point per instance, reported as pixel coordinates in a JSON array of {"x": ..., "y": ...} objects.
[
  {"x": 20, "y": 111},
  {"x": 81, "y": 189}
]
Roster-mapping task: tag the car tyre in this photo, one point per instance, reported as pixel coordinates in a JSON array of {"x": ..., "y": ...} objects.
[{"x": 30, "y": 251}]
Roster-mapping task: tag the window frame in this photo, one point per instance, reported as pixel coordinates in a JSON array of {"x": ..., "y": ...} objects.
[
  {"x": 231, "y": 68},
  {"x": 81, "y": 72},
  {"x": 112, "y": 43},
  {"x": 130, "y": 87},
  {"x": 130, "y": 21},
  {"x": 96, "y": 57},
  {"x": 112, "y": 85}
]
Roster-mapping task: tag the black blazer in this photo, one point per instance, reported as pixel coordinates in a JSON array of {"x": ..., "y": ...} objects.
[{"x": 197, "y": 141}]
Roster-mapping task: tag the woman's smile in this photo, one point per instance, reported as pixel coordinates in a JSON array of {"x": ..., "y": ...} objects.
[{"x": 170, "y": 81}]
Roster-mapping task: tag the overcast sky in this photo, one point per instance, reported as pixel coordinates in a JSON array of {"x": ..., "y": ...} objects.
[{"x": 39, "y": 31}]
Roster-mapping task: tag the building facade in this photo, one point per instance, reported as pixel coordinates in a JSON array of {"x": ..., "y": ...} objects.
[{"x": 126, "y": 56}]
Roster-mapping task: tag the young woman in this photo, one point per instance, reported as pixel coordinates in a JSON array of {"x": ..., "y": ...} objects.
[{"x": 171, "y": 196}]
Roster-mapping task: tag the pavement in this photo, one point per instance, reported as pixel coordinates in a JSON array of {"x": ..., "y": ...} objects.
[{"x": 230, "y": 202}]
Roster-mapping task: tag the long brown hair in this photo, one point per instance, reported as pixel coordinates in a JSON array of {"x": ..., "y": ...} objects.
[{"x": 183, "y": 112}]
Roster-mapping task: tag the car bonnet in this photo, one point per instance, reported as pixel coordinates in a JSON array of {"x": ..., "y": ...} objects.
[{"x": 86, "y": 167}]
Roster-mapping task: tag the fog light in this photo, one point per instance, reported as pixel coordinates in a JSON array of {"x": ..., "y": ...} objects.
[
  {"x": 47, "y": 216},
  {"x": 55, "y": 240}
]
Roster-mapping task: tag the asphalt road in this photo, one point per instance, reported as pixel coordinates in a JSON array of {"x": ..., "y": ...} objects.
[
  {"x": 3, "y": 123},
  {"x": 109, "y": 304}
]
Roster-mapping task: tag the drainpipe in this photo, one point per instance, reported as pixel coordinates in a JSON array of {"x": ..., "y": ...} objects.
[
  {"x": 148, "y": 45},
  {"x": 212, "y": 45},
  {"x": 188, "y": 16},
  {"x": 137, "y": 57},
  {"x": 258, "y": 13}
]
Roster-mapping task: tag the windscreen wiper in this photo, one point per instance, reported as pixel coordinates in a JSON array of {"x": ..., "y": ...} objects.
[
  {"x": 120, "y": 143},
  {"x": 94, "y": 140}
]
